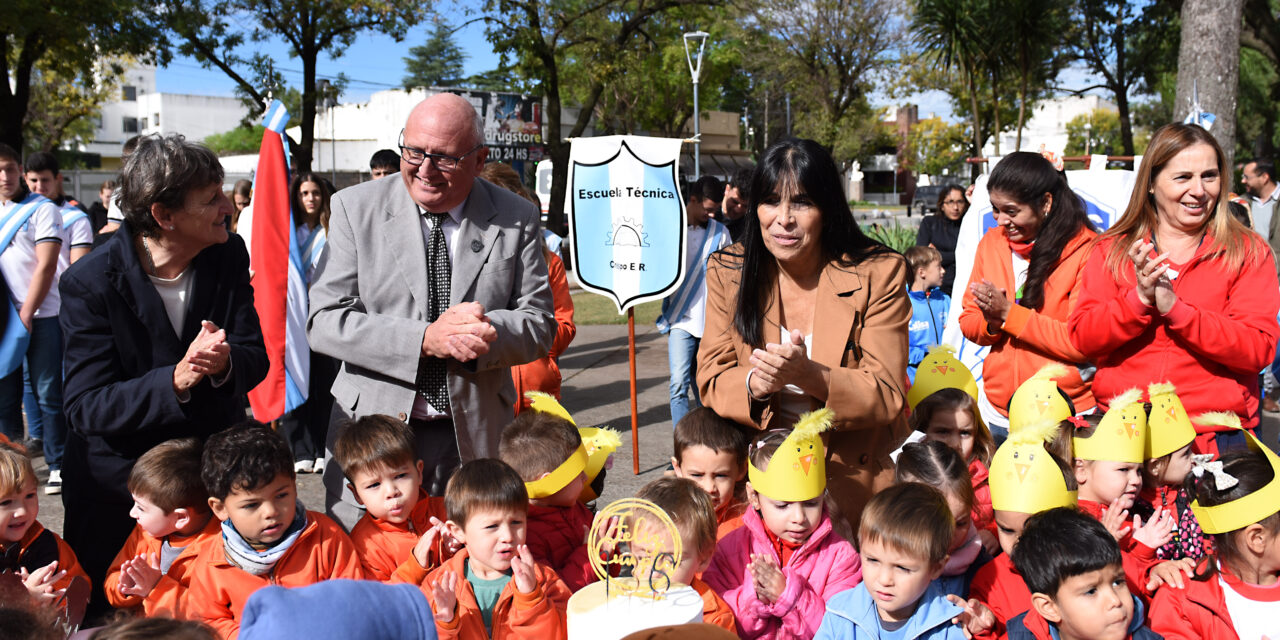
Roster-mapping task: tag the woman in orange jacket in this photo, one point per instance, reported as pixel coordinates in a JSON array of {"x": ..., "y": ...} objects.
[
  {"x": 1025, "y": 279},
  {"x": 543, "y": 374}
]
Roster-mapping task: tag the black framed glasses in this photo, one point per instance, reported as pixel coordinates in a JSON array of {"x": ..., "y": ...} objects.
[{"x": 440, "y": 161}]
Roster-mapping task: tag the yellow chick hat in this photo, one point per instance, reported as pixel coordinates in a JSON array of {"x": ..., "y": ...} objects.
[
  {"x": 1121, "y": 435},
  {"x": 1168, "y": 427},
  {"x": 798, "y": 469},
  {"x": 1024, "y": 477},
  {"x": 1039, "y": 399},
  {"x": 940, "y": 369},
  {"x": 1241, "y": 512},
  {"x": 597, "y": 445}
]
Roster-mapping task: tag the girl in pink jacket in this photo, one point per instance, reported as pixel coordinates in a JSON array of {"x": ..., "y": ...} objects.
[{"x": 779, "y": 569}]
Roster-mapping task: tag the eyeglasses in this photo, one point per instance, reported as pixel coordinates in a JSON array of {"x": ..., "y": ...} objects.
[{"x": 440, "y": 161}]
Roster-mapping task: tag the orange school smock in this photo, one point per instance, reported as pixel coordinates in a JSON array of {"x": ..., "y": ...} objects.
[
  {"x": 43, "y": 542},
  {"x": 557, "y": 537},
  {"x": 168, "y": 598},
  {"x": 729, "y": 517},
  {"x": 543, "y": 374},
  {"x": 539, "y": 615},
  {"x": 1029, "y": 338},
  {"x": 714, "y": 609},
  {"x": 220, "y": 589},
  {"x": 999, "y": 586},
  {"x": 386, "y": 548}
]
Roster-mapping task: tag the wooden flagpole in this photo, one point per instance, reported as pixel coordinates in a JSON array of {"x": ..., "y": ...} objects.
[{"x": 635, "y": 416}]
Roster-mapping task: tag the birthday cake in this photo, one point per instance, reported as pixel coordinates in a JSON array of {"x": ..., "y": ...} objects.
[{"x": 596, "y": 613}]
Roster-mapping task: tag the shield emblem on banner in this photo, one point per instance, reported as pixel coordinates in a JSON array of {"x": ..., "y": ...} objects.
[{"x": 626, "y": 219}]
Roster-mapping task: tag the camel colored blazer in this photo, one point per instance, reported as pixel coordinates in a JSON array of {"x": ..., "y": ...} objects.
[{"x": 860, "y": 332}]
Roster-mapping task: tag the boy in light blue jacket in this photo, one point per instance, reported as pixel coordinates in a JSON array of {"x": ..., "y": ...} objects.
[
  {"x": 929, "y": 304},
  {"x": 904, "y": 536}
]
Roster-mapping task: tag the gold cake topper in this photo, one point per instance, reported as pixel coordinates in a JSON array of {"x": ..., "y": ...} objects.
[{"x": 635, "y": 536}]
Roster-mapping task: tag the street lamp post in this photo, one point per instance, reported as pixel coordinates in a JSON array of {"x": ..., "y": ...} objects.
[
  {"x": 328, "y": 95},
  {"x": 699, "y": 40}
]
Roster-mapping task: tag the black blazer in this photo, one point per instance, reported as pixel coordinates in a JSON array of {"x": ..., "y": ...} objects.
[{"x": 119, "y": 353}]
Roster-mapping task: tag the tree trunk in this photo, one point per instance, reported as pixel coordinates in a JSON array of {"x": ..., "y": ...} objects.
[
  {"x": 1209, "y": 57},
  {"x": 302, "y": 156},
  {"x": 13, "y": 105},
  {"x": 973, "y": 109},
  {"x": 1126, "y": 123}
]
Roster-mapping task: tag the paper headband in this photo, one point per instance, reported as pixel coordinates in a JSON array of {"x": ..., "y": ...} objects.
[
  {"x": 1024, "y": 477},
  {"x": 1121, "y": 435},
  {"x": 1168, "y": 427},
  {"x": 941, "y": 370},
  {"x": 798, "y": 469},
  {"x": 598, "y": 444},
  {"x": 1241, "y": 512},
  {"x": 1039, "y": 399}
]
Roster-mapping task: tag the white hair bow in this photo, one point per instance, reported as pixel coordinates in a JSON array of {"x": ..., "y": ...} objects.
[{"x": 1202, "y": 462}]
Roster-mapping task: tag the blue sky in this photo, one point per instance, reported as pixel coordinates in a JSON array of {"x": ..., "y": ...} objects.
[{"x": 375, "y": 63}]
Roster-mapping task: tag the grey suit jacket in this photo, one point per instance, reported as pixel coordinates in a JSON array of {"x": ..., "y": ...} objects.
[{"x": 369, "y": 303}]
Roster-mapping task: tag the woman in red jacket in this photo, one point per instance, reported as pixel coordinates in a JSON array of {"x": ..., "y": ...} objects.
[
  {"x": 1179, "y": 291},
  {"x": 1025, "y": 278}
]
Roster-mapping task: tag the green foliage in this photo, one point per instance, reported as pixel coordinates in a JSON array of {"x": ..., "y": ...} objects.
[
  {"x": 67, "y": 38},
  {"x": 935, "y": 147},
  {"x": 1256, "y": 106},
  {"x": 64, "y": 103},
  {"x": 435, "y": 63},
  {"x": 897, "y": 237},
  {"x": 240, "y": 140},
  {"x": 1103, "y": 131},
  {"x": 214, "y": 32}
]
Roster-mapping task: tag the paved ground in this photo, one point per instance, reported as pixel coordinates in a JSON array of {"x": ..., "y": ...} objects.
[{"x": 596, "y": 392}]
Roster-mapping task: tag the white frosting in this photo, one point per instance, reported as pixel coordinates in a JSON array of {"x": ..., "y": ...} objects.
[{"x": 595, "y": 616}]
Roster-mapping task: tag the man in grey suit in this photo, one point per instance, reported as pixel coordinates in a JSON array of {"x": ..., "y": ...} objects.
[{"x": 433, "y": 287}]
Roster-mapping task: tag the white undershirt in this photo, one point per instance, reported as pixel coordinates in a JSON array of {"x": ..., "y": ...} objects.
[
  {"x": 792, "y": 400},
  {"x": 1252, "y": 618},
  {"x": 174, "y": 293}
]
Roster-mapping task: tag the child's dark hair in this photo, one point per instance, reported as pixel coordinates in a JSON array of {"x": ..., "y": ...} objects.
[
  {"x": 243, "y": 458},
  {"x": 373, "y": 443},
  {"x": 536, "y": 443},
  {"x": 484, "y": 484},
  {"x": 688, "y": 506},
  {"x": 911, "y": 518},
  {"x": 168, "y": 476},
  {"x": 952, "y": 399},
  {"x": 1060, "y": 543},
  {"x": 704, "y": 427},
  {"x": 1063, "y": 446},
  {"x": 1252, "y": 471},
  {"x": 935, "y": 464},
  {"x": 693, "y": 191},
  {"x": 385, "y": 159},
  {"x": 765, "y": 445}
]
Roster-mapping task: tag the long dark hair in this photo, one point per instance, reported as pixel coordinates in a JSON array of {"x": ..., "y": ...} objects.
[
  {"x": 1027, "y": 177},
  {"x": 811, "y": 169},
  {"x": 295, "y": 197}
]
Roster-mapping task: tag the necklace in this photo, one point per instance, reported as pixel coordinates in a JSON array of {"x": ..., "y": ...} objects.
[{"x": 151, "y": 263}]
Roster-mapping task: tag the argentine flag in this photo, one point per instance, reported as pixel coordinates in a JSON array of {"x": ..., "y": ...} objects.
[{"x": 279, "y": 284}]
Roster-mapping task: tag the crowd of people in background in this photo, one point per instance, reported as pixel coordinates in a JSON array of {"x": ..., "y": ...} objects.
[{"x": 836, "y": 471}]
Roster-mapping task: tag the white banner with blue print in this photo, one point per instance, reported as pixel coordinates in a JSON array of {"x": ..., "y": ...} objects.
[
  {"x": 626, "y": 217},
  {"x": 1105, "y": 194}
]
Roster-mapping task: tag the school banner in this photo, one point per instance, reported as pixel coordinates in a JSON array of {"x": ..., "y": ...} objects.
[
  {"x": 626, "y": 217},
  {"x": 1105, "y": 194}
]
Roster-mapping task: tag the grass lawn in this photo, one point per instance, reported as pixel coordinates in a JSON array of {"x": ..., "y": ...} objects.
[{"x": 591, "y": 308}]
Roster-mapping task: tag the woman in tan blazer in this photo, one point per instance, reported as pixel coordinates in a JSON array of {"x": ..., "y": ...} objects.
[{"x": 809, "y": 312}]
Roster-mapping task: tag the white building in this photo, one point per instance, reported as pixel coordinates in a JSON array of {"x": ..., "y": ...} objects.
[
  {"x": 1048, "y": 124},
  {"x": 143, "y": 110}
]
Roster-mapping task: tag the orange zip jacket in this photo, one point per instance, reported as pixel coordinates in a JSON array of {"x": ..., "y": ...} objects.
[
  {"x": 65, "y": 556},
  {"x": 386, "y": 549},
  {"x": 168, "y": 598},
  {"x": 714, "y": 609},
  {"x": 539, "y": 615},
  {"x": 543, "y": 374},
  {"x": 219, "y": 589},
  {"x": 1029, "y": 339}
]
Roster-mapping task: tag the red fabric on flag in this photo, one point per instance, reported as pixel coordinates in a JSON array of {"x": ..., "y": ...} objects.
[{"x": 269, "y": 259}]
